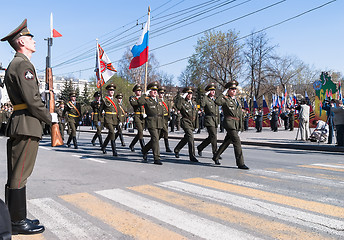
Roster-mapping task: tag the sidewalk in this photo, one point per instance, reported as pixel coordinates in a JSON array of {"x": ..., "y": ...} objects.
[{"x": 280, "y": 139}]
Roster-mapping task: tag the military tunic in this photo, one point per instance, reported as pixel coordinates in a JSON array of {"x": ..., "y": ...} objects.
[
  {"x": 121, "y": 122},
  {"x": 110, "y": 108},
  {"x": 73, "y": 112},
  {"x": 232, "y": 123},
  {"x": 166, "y": 118},
  {"x": 24, "y": 127},
  {"x": 189, "y": 121},
  {"x": 97, "y": 117},
  {"x": 62, "y": 121},
  {"x": 154, "y": 122},
  {"x": 138, "y": 119},
  {"x": 211, "y": 122}
]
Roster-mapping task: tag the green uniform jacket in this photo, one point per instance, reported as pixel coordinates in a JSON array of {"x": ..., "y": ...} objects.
[
  {"x": 211, "y": 110},
  {"x": 166, "y": 111},
  {"x": 73, "y": 115},
  {"x": 232, "y": 112},
  {"x": 22, "y": 87},
  {"x": 121, "y": 113},
  {"x": 111, "y": 111},
  {"x": 154, "y": 111},
  {"x": 97, "y": 114},
  {"x": 189, "y": 113},
  {"x": 138, "y": 109}
]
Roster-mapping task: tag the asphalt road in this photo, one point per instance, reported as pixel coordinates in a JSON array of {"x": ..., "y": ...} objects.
[{"x": 84, "y": 194}]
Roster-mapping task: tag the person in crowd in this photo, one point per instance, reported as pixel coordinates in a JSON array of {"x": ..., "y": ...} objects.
[
  {"x": 304, "y": 111},
  {"x": 291, "y": 118},
  {"x": 259, "y": 120},
  {"x": 274, "y": 119},
  {"x": 339, "y": 122},
  {"x": 121, "y": 119},
  {"x": 328, "y": 107}
]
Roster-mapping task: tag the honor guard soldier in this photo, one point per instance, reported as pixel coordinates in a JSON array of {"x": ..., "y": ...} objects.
[
  {"x": 232, "y": 123},
  {"x": 121, "y": 119},
  {"x": 211, "y": 119},
  {"x": 166, "y": 109},
  {"x": 97, "y": 118},
  {"x": 24, "y": 127},
  {"x": 61, "y": 118},
  {"x": 110, "y": 107},
  {"x": 154, "y": 120},
  {"x": 189, "y": 122},
  {"x": 73, "y": 112},
  {"x": 139, "y": 112}
]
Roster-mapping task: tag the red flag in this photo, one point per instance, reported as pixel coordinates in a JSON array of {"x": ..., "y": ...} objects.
[{"x": 56, "y": 33}]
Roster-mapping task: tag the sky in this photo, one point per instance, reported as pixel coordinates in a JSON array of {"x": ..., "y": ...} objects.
[{"x": 316, "y": 37}]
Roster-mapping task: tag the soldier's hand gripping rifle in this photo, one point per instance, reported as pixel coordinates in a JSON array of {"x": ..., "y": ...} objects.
[{"x": 56, "y": 139}]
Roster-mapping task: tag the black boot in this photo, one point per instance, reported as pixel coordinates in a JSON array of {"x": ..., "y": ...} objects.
[
  {"x": 167, "y": 146},
  {"x": 107, "y": 139},
  {"x": 113, "y": 146},
  {"x": 132, "y": 144},
  {"x": 142, "y": 143},
  {"x": 75, "y": 143},
  {"x": 94, "y": 139},
  {"x": 17, "y": 208},
  {"x": 100, "y": 140},
  {"x": 7, "y": 190},
  {"x": 69, "y": 140}
]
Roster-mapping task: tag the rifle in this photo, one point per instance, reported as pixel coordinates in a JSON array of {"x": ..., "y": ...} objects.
[{"x": 56, "y": 139}]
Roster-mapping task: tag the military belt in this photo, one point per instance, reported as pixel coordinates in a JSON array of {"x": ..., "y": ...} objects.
[
  {"x": 95, "y": 113},
  {"x": 166, "y": 114},
  {"x": 233, "y": 118},
  {"x": 20, "y": 106},
  {"x": 110, "y": 113},
  {"x": 72, "y": 115},
  {"x": 138, "y": 112}
]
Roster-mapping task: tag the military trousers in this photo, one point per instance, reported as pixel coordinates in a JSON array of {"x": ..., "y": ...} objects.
[
  {"x": 164, "y": 130},
  {"x": 153, "y": 143},
  {"x": 21, "y": 157},
  {"x": 138, "y": 123},
  {"x": 99, "y": 127},
  {"x": 111, "y": 132},
  {"x": 187, "y": 139},
  {"x": 62, "y": 129},
  {"x": 211, "y": 139},
  {"x": 231, "y": 137},
  {"x": 73, "y": 125}
]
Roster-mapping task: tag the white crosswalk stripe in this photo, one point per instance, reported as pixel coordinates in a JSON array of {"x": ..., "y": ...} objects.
[{"x": 191, "y": 223}]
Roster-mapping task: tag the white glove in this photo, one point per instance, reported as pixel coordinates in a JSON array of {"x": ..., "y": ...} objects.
[
  {"x": 120, "y": 124},
  {"x": 144, "y": 115},
  {"x": 184, "y": 95},
  {"x": 239, "y": 132},
  {"x": 147, "y": 92},
  {"x": 99, "y": 123},
  {"x": 80, "y": 123},
  {"x": 225, "y": 92},
  {"x": 207, "y": 93},
  {"x": 54, "y": 118}
]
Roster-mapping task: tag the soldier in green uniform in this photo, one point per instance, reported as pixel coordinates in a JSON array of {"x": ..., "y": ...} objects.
[
  {"x": 232, "y": 123},
  {"x": 189, "y": 121},
  {"x": 110, "y": 108},
  {"x": 211, "y": 119},
  {"x": 166, "y": 113},
  {"x": 59, "y": 110},
  {"x": 154, "y": 120},
  {"x": 97, "y": 118},
  {"x": 73, "y": 111},
  {"x": 121, "y": 119},
  {"x": 24, "y": 127},
  {"x": 139, "y": 112}
]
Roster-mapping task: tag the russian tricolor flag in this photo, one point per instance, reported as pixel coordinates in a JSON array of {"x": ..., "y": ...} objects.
[{"x": 140, "y": 50}]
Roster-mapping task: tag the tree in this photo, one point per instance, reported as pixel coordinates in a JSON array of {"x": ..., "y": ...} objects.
[
  {"x": 257, "y": 54},
  {"x": 66, "y": 90}
]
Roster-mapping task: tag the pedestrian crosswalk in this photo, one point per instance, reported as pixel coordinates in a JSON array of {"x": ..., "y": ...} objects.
[{"x": 211, "y": 207}]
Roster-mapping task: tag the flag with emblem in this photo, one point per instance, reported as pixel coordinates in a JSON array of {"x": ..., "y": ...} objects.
[{"x": 104, "y": 68}]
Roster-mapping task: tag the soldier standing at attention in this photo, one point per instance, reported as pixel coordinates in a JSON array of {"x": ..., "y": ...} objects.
[
  {"x": 73, "y": 111},
  {"x": 232, "y": 121},
  {"x": 138, "y": 117},
  {"x": 189, "y": 121},
  {"x": 154, "y": 120},
  {"x": 121, "y": 119},
  {"x": 24, "y": 127},
  {"x": 211, "y": 119},
  {"x": 110, "y": 107},
  {"x": 61, "y": 118},
  {"x": 97, "y": 118},
  {"x": 166, "y": 113}
]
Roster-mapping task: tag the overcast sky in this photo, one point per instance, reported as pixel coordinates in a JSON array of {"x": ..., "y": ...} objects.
[{"x": 316, "y": 37}]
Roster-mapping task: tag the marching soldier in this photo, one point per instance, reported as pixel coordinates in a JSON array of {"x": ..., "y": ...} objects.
[
  {"x": 73, "y": 112},
  {"x": 232, "y": 123},
  {"x": 139, "y": 112},
  {"x": 61, "y": 118},
  {"x": 166, "y": 113},
  {"x": 24, "y": 127},
  {"x": 97, "y": 118},
  {"x": 154, "y": 120},
  {"x": 110, "y": 107},
  {"x": 212, "y": 118},
  {"x": 189, "y": 121},
  {"x": 121, "y": 119}
]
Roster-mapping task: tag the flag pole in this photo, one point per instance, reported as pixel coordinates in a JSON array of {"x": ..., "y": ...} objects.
[
  {"x": 146, "y": 69},
  {"x": 98, "y": 76}
]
